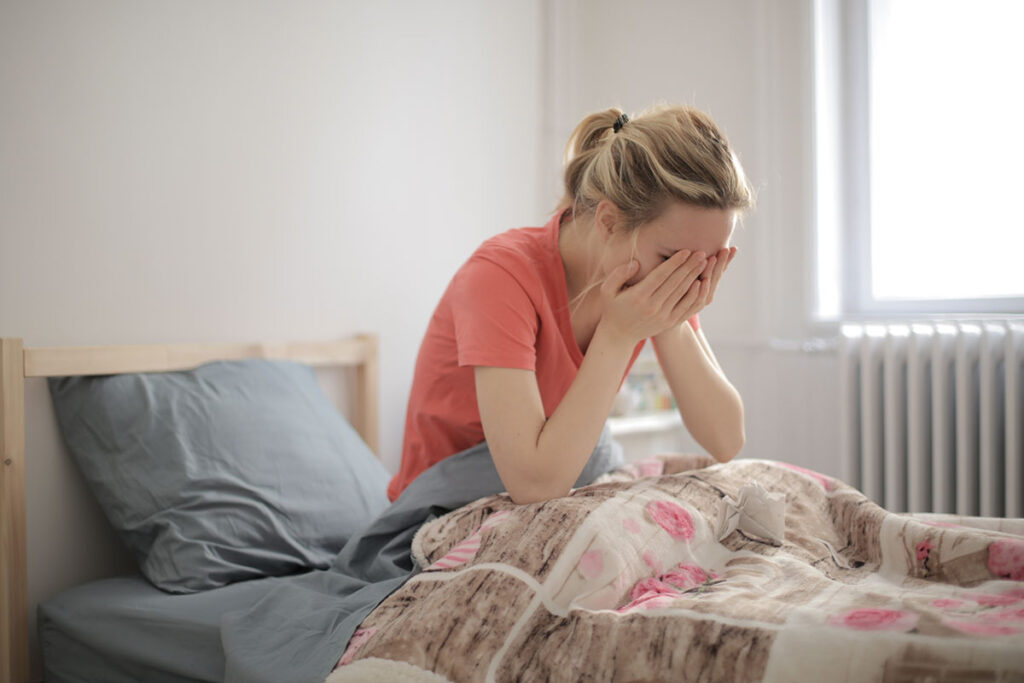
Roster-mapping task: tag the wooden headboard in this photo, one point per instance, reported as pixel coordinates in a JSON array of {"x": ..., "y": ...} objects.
[{"x": 18, "y": 363}]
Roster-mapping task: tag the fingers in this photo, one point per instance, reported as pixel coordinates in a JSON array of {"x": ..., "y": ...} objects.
[
  {"x": 657, "y": 277},
  {"x": 725, "y": 257},
  {"x": 615, "y": 280},
  {"x": 709, "y": 280},
  {"x": 690, "y": 303},
  {"x": 721, "y": 261},
  {"x": 678, "y": 282},
  {"x": 692, "y": 294},
  {"x": 709, "y": 267}
]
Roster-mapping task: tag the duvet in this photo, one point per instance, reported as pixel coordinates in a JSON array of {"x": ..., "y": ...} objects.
[{"x": 645, "y": 575}]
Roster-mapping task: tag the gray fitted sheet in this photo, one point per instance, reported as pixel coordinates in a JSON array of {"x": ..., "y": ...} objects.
[{"x": 126, "y": 630}]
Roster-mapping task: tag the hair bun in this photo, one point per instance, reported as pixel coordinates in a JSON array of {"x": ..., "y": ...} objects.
[{"x": 673, "y": 153}]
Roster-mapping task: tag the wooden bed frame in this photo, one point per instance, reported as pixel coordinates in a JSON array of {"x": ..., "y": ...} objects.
[{"x": 18, "y": 363}]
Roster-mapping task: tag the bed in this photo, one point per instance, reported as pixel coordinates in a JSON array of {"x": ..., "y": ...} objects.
[
  {"x": 671, "y": 568},
  {"x": 349, "y": 363}
]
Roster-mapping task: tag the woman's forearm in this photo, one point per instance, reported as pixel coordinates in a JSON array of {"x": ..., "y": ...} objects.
[
  {"x": 569, "y": 435},
  {"x": 710, "y": 406}
]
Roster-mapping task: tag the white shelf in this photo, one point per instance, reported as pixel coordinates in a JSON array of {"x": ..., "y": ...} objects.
[{"x": 647, "y": 423}]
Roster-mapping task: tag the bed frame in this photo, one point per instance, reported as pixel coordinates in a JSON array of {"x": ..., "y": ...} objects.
[{"x": 18, "y": 363}]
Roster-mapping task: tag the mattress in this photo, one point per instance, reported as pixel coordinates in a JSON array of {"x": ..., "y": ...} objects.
[{"x": 124, "y": 629}]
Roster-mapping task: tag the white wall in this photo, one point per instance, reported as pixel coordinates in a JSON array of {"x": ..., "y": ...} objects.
[{"x": 243, "y": 170}]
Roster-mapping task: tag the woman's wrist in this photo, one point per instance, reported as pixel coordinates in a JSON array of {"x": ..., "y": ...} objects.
[
  {"x": 684, "y": 343},
  {"x": 613, "y": 339},
  {"x": 682, "y": 330}
]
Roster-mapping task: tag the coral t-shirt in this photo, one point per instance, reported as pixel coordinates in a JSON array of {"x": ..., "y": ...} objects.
[{"x": 508, "y": 307}]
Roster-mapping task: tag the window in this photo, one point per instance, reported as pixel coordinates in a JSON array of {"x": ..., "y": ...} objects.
[{"x": 920, "y": 156}]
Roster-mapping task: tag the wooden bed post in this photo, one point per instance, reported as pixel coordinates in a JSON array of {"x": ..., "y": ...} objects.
[
  {"x": 367, "y": 387},
  {"x": 13, "y": 561}
]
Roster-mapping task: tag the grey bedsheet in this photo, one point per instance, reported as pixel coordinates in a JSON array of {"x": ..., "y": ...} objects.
[
  {"x": 125, "y": 630},
  {"x": 291, "y": 628},
  {"x": 300, "y": 628}
]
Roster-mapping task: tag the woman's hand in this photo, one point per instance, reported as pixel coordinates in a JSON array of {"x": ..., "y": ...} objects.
[
  {"x": 717, "y": 265},
  {"x": 662, "y": 300},
  {"x": 708, "y": 280}
]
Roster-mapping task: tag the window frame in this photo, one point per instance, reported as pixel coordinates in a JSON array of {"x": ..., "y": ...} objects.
[{"x": 842, "y": 174}]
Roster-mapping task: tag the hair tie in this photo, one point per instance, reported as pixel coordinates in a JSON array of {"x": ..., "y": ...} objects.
[{"x": 620, "y": 122}]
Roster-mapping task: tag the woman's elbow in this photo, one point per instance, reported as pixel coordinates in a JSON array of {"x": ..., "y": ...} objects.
[
  {"x": 730, "y": 448},
  {"x": 525, "y": 487},
  {"x": 524, "y": 495},
  {"x": 734, "y": 437},
  {"x": 521, "y": 498}
]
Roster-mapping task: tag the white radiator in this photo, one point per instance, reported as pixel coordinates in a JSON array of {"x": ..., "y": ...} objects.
[{"x": 933, "y": 415}]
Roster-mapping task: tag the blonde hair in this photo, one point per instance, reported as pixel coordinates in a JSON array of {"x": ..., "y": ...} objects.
[{"x": 665, "y": 154}]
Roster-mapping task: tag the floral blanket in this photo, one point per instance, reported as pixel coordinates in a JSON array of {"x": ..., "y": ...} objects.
[{"x": 627, "y": 580}]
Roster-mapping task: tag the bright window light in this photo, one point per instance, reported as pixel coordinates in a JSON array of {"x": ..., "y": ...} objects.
[{"x": 946, "y": 149}]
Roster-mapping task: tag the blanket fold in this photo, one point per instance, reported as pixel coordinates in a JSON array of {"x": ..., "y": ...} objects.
[{"x": 757, "y": 513}]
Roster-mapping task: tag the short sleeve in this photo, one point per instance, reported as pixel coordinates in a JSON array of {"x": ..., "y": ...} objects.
[{"x": 495, "y": 320}]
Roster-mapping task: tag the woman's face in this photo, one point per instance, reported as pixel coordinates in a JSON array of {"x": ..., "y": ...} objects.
[{"x": 681, "y": 226}]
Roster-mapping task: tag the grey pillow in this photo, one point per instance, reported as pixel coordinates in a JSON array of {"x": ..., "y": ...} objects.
[{"x": 234, "y": 470}]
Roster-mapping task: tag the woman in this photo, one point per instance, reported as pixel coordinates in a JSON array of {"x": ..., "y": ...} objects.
[{"x": 537, "y": 330}]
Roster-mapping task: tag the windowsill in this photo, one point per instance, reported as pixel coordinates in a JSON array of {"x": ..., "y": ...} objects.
[{"x": 646, "y": 423}]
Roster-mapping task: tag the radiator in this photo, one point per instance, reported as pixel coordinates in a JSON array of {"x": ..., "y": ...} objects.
[{"x": 933, "y": 414}]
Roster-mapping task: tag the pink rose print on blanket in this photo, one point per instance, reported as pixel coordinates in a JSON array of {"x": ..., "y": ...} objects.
[
  {"x": 591, "y": 564},
  {"x": 874, "y": 619},
  {"x": 648, "y": 601},
  {"x": 652, "y": 561},
  {"x": 981, "y": 628},
  {"x": 649, "y": 594},
  {"x": 631, "y": 525},
  {"x": 1006, "y": 559},
  {"x": 467, "y": 549},
  {"x": 651, "y": 585},
  {"x": 1014, "y": 615},
  {"x": 650, "y": 467},
  {"x": 683, "y": 577},
  {"x": 924, "y": 549},
  {"x": 990, "y": 600},
  {"x": 673, "y": 518},
  {"x": 1012, "y": 596},
  {"x": 828, "y": 483},
  {"x": 686, "y": 576},
  {"x": 948, "y": 603},
  {"x": 355, "y": 644}
]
